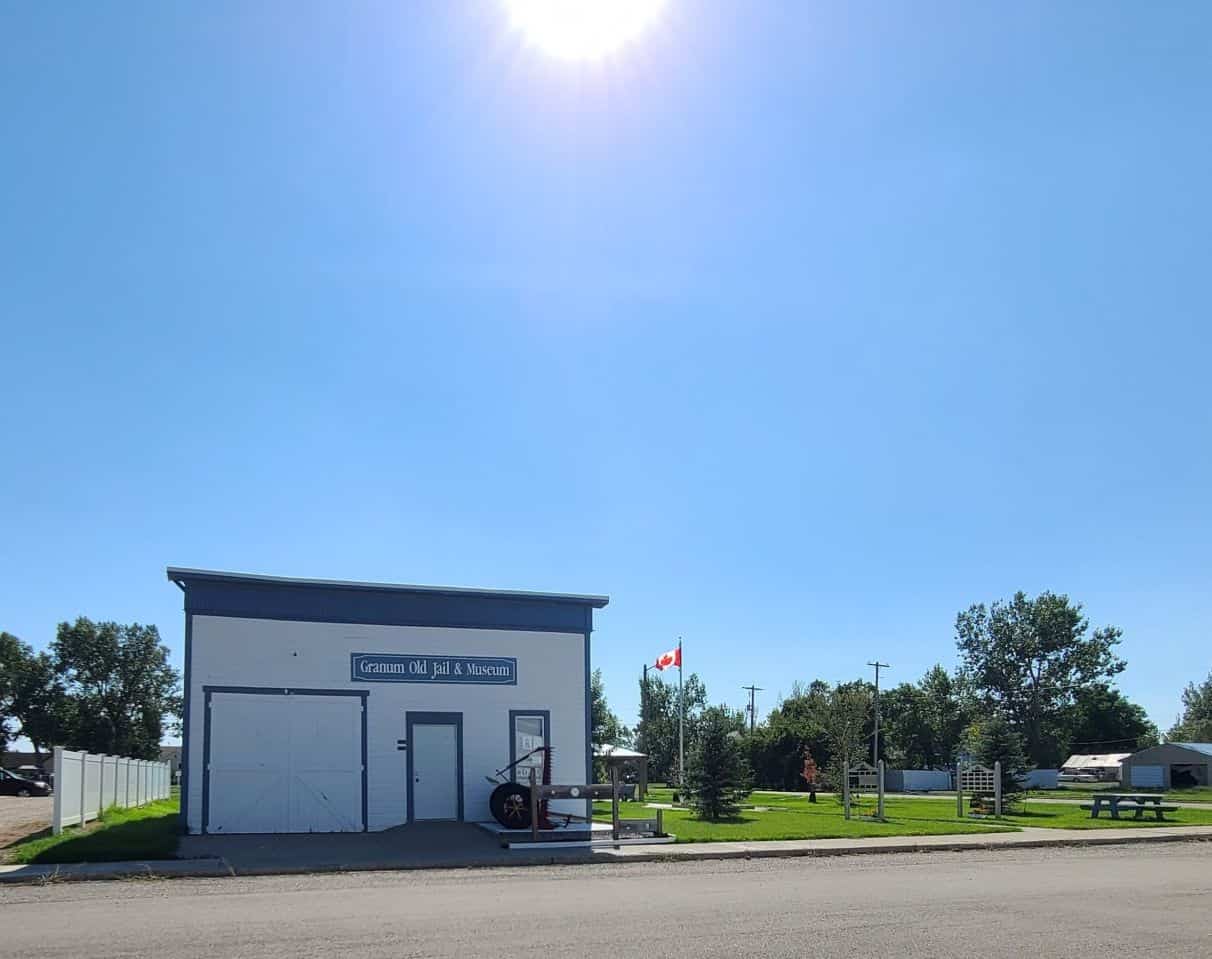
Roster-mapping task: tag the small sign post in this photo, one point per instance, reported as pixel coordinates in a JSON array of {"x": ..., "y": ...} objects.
[{"x": 534, "y": 808}]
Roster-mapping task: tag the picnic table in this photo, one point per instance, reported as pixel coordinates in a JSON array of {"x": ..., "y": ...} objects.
[{"x": 1139, "y": 803}]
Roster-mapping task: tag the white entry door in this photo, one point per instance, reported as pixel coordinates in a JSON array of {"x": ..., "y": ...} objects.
[{"x": 435, "y": 771}]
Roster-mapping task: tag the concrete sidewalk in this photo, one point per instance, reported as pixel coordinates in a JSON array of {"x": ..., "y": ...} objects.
[{"x": 306, "y": 861}]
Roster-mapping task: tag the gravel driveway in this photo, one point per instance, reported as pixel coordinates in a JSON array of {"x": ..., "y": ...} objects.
[{"x": 20, "y": 817}]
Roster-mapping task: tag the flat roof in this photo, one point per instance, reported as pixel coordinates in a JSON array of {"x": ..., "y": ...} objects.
[
  {"x": 182, "y": 574},
  {"x": 1093, "y": 760},
  {"x": 617, "y": 752}
]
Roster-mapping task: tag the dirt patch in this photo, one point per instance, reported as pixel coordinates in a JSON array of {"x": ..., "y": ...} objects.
[{"x": 20, "y": 817}]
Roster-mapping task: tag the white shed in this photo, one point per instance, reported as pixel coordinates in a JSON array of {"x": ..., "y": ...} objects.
[
  {"x": 1096, "y": 767},
  {"x": 323, "y": 706}
]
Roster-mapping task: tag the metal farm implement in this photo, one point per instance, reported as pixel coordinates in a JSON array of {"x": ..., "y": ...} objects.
[{"x": 526, "y": 806}]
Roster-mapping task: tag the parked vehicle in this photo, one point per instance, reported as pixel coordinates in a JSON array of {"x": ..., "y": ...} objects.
[
  {"x": 13, "y": 785},
  {"x": 1078, "y": 777},
  {"x": 34, "y": 774}
]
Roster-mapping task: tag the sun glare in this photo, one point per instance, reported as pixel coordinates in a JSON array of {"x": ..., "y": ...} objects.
[{"x": 583, "y": 29}]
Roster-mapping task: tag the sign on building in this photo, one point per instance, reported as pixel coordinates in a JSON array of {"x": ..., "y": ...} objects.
[{"x": 420, "y": 668}]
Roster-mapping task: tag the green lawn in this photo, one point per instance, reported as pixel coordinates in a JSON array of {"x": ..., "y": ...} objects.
[
  {"x": 1199, "y": 794},
  {"x": 798, "y": 819},
  {"x": 1057, "y": 816},
  {"x": 771, "y": 816},
  {"x": 147, "y": 832}
]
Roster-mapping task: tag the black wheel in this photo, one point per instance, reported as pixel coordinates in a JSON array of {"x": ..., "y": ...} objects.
[
  {"x": 510, "y": 805},
  {"x": 24, "y": 793}
]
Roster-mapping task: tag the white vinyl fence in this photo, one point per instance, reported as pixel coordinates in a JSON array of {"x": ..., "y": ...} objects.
[
  {"x": 925, "y": 780},
  {"x": 87, "y": 783},
  {"x": 1040, "y": 779}
]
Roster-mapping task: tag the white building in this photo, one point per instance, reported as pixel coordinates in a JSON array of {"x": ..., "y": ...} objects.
[{"x": 320, "y": 706}]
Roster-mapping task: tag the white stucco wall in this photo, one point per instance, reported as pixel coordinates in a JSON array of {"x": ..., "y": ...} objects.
[{"x": 227, "y": 651}]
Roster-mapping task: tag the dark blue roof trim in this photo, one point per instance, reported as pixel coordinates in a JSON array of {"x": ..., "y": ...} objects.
[{"x": 264, "y": 597}]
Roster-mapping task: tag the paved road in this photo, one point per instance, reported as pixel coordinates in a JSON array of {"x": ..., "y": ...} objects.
[{"x": 1147, "y": 900}]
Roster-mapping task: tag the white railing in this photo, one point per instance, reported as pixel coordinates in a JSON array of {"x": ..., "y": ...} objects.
[{"x": 86, "y": 784}]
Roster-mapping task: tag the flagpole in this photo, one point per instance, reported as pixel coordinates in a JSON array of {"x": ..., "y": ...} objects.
[{"x": 681, "y": 722}]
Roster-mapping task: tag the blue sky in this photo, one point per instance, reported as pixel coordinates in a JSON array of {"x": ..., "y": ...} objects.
[{"x": 796, "y": 328}]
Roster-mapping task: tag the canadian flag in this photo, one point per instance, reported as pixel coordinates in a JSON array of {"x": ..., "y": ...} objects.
[{"x": 671, "y": 658}]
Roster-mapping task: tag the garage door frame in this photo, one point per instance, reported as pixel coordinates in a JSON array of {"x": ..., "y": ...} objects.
[{"x": 208, "y": 691}]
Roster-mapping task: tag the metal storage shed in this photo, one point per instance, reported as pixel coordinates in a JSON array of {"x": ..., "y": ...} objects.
[{"x": 1169, "y": 766}]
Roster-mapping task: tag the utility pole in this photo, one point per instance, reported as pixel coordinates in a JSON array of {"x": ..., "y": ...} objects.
[
  {"x": 752, "y": 711},
  {"x": 875, "y": 744}
]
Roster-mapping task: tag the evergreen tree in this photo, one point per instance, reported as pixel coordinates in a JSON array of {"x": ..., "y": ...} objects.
[
  {"x": 994, "y": 739},
  {"x": 717, "y": 778}
]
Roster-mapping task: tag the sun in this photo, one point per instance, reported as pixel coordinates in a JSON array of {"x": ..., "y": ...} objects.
[{"x": 583, "y": 29}]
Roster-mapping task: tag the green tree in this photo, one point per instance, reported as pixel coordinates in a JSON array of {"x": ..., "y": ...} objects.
[
  {"x": 657, "y": 732},
  {"x": 606, "y": 729},
  {"x": 922, "y": 723},
  {"x": 125, "y": 691},
  {"x": 1195, "y": 723},
  {"x": 776, "y": 747},
  {"x": 717, "y": 776},
  {"x": 1102, "y": 720},
  {"x": 995, "y": 739},
  {"x": 11, "y": 654},
  {"x": 1029, "y": 657},
  {"x": 31, "y": 697},
  {"x": 846, "y": 722}
]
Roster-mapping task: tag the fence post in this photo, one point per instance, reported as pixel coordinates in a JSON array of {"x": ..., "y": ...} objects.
[
  {"x": 83, "y": 779},
  {"x": 997, "y": 789},
  {"x": 57, "y": 814},
  {"x": 614, "y": 804},
  {"x": 959, "y": 790}
]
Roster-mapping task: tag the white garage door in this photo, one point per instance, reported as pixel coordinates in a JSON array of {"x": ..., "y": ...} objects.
[
  {"x": 1147, "y": 776},
  {"x": 284, "y": 763}
]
